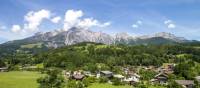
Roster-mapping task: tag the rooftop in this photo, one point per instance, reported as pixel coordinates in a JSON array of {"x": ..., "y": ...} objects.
[
  {"x": 185, "y": 82},
  {"x": 106, "y": 72}
]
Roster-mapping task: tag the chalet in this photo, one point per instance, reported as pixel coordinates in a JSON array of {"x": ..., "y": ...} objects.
[
  {"x": 107, "y": 74},
  {"x": 160, "y": 78},
  {"x": 118, "y": 76},
  {"x": 4, "y": 69},
  {"x": 132, "y": 79},
  {"x": 88, "y": 74},
  {"x": 77, "y": 76},
  {"x": 167, "y": 68},
  {"x": 185, "y": 83}
]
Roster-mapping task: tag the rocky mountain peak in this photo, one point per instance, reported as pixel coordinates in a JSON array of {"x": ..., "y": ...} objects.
[{"x": 74, "y": 35}]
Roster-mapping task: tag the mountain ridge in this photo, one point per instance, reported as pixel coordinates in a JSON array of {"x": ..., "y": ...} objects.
[{"x": 75, "y": 35}]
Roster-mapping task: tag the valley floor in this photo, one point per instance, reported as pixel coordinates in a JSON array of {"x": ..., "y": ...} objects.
[{"x": 27, "y": 79}]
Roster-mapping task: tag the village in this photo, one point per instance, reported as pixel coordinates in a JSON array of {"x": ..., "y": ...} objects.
[
  {"x": 129, "y": 76},
  {"x": 132, "y": 77}
]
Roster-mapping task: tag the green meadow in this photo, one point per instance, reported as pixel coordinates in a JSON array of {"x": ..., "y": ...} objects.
[
  {"x": 27, "y": 79},
  {"x": 19, "y": 79}
]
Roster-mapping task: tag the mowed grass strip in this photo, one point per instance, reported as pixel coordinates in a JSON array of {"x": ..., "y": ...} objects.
[{"x": 19, "y": 79}]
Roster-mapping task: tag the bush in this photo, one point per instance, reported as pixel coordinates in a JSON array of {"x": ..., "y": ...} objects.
[
  {"x": 116, "y": 81},
  {"x": 103, "y": 80},
  {"x": 2, "y": 64},
  {"x": 86, "y": 82},
  {"x": 80, "y": 84},
  {"x": 52, "y": 80},
  {"x": 92, "y": 79},
  {"x": 173, "y": 84},
  {"x": 71, "y": 84}
]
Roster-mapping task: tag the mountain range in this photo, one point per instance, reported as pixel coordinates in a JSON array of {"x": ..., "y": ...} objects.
[
  {"x": 41, "y": 42},
  {"x": 75, "y": 35}
]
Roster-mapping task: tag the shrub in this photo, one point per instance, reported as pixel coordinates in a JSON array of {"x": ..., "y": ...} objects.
[
  {"x": 116, "y": 81},
  {"x": 52, "y": 80},
  {"x": 103, "y": 80}
]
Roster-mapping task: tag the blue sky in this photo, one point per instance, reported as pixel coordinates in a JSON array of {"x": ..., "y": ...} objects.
[{"x": 23, "y": 18}]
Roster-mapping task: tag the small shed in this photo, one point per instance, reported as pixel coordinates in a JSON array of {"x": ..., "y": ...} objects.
[
  {"x": 118, "y": 76},
  {"x": 107, "y": 74}
]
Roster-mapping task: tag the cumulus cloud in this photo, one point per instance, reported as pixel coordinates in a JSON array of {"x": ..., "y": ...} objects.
[
  {"x": 170, "y": 24},
  {"x": 56, "y": 19},
  {"x": 89, "y": 22},
  {"x": 137, "y": 24},
  {"x": 73, "y": 18},
  {"x": 167, "y": 21},
  {"x": 34, "y": 19},
  {"x": 16, "y": 28}
]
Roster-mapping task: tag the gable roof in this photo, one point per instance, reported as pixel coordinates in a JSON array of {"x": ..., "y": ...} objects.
[
  {"x": 106, "y": 72},
  {"x": 164, "y": 74}
]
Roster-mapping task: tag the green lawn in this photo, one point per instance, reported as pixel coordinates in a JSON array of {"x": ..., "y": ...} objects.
[
  {"x": 17, "y": 79},
  {"x": 97, "y": 85}
]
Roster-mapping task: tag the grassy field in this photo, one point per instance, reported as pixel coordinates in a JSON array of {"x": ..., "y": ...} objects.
[
  {"x": 29, "y": 46},
  {"x": 18, "y": 79},
  {"x": 97, "y": 85},
  {"x": 26, "y": 79}
]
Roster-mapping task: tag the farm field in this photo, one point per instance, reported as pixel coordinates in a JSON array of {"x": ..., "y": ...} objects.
[{"x": 19, "y": 79}]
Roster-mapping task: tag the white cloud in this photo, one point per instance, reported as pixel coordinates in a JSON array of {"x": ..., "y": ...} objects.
[
  {"x": 56, "y": 19},
  {"x": 73, "y": 18},
  {"x": 87, "y": 23},
  {"x": 135, "y": 26},
  {"x": 16, "y": 28},
  {"x": 171, "y": 26},
  {"x": 167, "y": 21},
  {"x": 107, "y": 24},
  {"x": 139, "y": 22},
  {"x": 90, "y": 22},
  {"x": 34, "y": 19}
]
